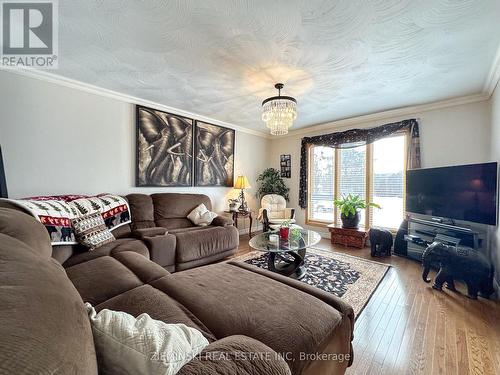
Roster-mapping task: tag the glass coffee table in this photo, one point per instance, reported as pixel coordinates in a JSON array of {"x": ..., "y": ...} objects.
[{"x": 286, "y": 256}]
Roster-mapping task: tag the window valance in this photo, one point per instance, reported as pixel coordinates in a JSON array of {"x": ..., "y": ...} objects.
[{"x": 354, "y": 138}]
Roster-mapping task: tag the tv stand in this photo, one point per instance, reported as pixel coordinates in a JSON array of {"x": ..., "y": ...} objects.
[{"x": 421, "y": 233}]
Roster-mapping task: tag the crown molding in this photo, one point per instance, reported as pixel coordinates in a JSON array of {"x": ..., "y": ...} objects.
[
  {"x": 338, "y": 125},
  {"x": 397, "y": 112},
  {"x": 78, "y": 85},
  {"x": 494, "y": 75}
]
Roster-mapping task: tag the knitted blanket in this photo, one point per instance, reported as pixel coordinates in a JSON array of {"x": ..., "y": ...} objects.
[{"x": 56, "y": 212}]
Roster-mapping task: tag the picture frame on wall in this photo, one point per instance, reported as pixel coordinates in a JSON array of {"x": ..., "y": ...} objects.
[
  {"x": 164, "y": 145},
  {"x": 286, "y": 166},
  {"x": 214, "y": 155}
]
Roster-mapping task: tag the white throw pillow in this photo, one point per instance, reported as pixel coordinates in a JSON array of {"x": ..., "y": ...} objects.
[
  {"x": 201, "y": 215},
  {"x": 142, "y": 345}
]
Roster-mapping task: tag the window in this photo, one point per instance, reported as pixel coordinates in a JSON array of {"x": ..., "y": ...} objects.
[
  {"x": 352, "y": 178},
  {"x": 322, "y": 183},
  {"x": 388, "y": 181},
  {"x": 376, "y": 172}
]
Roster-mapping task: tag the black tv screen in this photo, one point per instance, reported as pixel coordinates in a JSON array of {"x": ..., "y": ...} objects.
[{"x": 465, "y": 192}]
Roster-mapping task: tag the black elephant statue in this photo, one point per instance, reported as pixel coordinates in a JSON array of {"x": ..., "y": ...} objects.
[
  {"x": 381, "y": 242},
  {"x": 459, "y": 263}
]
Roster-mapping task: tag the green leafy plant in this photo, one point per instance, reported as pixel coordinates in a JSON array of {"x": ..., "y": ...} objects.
[
  {"x": 349, "y": 204},
  {"x": 295, "y": 233},
  {"x": 286, "y": 224},
  {"x": 270, "y": 182}
]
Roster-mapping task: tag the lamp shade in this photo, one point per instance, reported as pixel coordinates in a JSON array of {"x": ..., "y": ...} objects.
[{"x": 242, "y": 183}]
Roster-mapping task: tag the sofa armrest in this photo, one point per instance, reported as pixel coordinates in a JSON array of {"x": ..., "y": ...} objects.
[
  {"x": 162, "y": 250},
  {"x": 222, "y": 221},
  {"x": 149, "y": 232},
  {"x": 236, "y": 354}
]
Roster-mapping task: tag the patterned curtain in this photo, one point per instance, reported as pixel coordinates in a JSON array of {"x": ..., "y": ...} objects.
[{"x": 354, "y": 138}]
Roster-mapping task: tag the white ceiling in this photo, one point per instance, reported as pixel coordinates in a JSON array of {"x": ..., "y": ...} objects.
[{"x": 338, "y": 58}]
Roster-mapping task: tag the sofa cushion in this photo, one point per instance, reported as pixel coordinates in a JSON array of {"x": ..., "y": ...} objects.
[
  {"x": 123, "y": 244},
  {"x": 206, "y": 242},
  {"x": 178, "y": 223},
  {"x": 185, "y": 229},
  {"x": 102, "y": 278},
  {"x": 142, "y": 345},
  {"x": 175, "y": 205},
  {"x": 19, "y": 225},
  {"x": 235, "y": 350},
  {"x": 44, "y": 327},
  {"x": 141, "y": 211},
  {"x": 204, "y": 290},
  {"x": 148, "y": 299}
]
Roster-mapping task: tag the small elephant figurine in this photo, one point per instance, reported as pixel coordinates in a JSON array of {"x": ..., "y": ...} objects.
[
  {"x": 381, "y": 242},
  {"x": 459, "y": 263}
]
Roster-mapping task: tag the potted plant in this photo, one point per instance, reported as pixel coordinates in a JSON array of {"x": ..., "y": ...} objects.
[
  {"x": 350, "y": 209},
  {"x": 284, "y": 230},
  {"x": 270, "y": 182}
]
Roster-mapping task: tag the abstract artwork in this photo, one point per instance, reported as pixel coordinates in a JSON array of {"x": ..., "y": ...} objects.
[
  {"x": 164, "y": 148},
  {"x": 286, "y": 166},
  {"x": 214, "y": 150}
]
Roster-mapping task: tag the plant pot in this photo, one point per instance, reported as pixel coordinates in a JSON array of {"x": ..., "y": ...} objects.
[
  {"x": 351, "y": 221},
  {"x": 284, "y": 233}
]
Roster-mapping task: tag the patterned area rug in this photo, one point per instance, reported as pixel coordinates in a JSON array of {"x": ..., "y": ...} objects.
[{"x": 351, "y": 278}]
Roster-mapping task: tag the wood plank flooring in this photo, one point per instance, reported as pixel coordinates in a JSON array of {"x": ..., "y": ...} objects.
[{"x": 409, "y": 328}]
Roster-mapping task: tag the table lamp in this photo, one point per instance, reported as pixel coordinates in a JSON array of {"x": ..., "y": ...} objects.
[{"x": 242, "y": 183}]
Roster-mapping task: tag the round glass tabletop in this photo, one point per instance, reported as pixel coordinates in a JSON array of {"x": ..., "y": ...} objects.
[{"x": 262, "y": 242}]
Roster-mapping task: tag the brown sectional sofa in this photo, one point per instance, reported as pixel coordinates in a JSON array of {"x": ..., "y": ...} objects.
[
  {"x": 160, "y": 228},
  {"x": 190, "y": 246},
  {"x": 239, "y": 309}
]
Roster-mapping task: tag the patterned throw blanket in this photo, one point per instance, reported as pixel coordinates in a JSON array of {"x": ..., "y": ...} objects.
[{"x": 56, "y": 212}]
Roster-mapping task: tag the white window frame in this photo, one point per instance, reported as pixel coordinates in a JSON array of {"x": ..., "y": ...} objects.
[{"x": 368, "y": 179}]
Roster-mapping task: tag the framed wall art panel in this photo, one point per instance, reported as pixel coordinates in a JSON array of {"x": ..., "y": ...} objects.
[
  {"x": 164, "y": 148},
  {"x": 214, "y": 155}
]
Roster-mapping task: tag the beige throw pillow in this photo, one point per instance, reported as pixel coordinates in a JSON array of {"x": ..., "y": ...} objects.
[
  {"x": 201, "y": 215},
  {"x": 142, "y": 345},
  {"x": 91, "y": 231}
]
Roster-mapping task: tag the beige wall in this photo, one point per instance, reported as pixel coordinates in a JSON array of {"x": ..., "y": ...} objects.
[
  {"x": 60, "y": 140},
  {"x": 449, "y": 136}
]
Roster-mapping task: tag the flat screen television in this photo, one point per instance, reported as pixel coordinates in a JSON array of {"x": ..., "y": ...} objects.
[{"x": 464, "y": 192}]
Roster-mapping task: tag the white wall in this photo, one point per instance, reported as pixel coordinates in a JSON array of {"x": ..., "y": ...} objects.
[
  {"x": 448, "y": 136},
  {"x": 495, "y": 156},
  {"x": 60, "y": 140}
]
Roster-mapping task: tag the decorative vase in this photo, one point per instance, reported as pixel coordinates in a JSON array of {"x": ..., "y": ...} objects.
[
  {"x": 351, "y": 221},
  {"x": 284, "y": 233},
  {"x": 233, "y": 207}
]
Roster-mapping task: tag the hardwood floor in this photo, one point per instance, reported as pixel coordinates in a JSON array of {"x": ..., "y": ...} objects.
[{"x": 409, "y": 328}]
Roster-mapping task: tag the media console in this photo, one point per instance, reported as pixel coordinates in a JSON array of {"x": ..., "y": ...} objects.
[{"x": 422, "y": 233}]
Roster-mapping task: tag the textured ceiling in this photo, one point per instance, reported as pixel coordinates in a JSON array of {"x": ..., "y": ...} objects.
[{"x": 338, "y": 58}]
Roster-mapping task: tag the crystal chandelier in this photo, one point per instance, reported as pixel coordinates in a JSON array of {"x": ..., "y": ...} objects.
[{"x": 279, "y": 112}]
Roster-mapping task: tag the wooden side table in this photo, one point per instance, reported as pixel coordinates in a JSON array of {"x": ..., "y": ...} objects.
[
  {"x": 244, "y": 215},
  {"x": 348, "y": 237}
]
